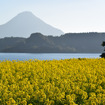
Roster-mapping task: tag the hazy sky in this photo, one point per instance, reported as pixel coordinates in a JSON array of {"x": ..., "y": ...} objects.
[{"x": 67, "y": 15}]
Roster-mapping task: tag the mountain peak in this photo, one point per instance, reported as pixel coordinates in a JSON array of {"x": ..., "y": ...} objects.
[
  {"x": 24, "y": 16},
  {"x": 26, "y": 13},
  {"x": 26, "y": 23}
]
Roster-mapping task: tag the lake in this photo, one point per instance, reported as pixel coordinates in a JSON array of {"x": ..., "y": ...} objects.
[{"x": 46, "y": 56}]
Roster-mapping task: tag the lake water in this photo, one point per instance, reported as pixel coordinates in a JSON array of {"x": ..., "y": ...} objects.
[{"x": 46, "y": 56}]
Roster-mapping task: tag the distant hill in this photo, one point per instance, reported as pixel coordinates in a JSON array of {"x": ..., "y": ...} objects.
[
  {"x": 26, "y": 23},
  {"x": 68, "y": 43}
]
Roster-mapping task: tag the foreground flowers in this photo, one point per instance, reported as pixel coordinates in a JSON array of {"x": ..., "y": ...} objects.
[{"x": 56, "y": 82}]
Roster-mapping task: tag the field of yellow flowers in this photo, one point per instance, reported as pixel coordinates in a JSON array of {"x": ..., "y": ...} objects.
[{"x": 55, "y": 82}]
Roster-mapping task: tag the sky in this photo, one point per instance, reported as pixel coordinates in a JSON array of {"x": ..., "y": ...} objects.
[{"x": 67, "y": 15}]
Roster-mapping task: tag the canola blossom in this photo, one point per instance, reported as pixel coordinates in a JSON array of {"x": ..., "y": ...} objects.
[{"x": 55, "y": 82}]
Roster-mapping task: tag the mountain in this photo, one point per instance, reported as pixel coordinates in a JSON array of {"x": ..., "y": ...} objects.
[
  {"x": 26, "y": 23},
  {"x": 67, "y": 43}
]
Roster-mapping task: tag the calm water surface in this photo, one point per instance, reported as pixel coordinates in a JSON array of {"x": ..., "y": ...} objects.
[{"x": 46, "y": 56}]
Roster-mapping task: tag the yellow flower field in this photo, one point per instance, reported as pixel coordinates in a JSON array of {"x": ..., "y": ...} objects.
[{"x": 55, "y": 82}]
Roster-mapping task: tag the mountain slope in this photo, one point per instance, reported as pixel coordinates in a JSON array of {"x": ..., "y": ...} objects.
[
  {"x": 68, "y": 43},
  {"x": 26, "y": 23}
]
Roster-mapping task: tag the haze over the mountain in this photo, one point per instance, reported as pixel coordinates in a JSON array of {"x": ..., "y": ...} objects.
[{"x": 25, "y": 24}]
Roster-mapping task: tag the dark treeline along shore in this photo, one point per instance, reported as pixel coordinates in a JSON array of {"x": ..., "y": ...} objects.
[{"x": 67, "y": 43}]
